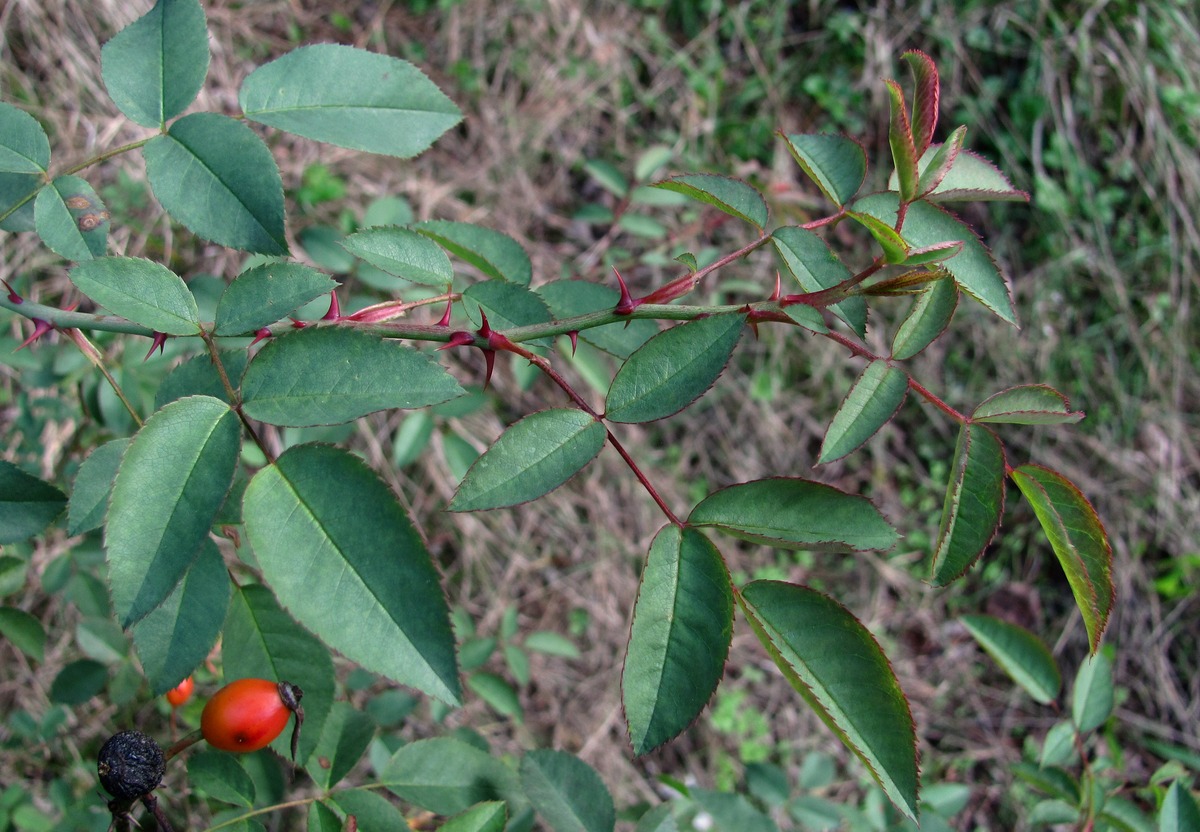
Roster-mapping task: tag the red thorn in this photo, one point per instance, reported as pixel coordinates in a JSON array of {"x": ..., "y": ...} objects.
[
  {"x": 445, "y": 321},
  {"x": 335, "y": 310},
  {"x": 458, "y": 339},
  {"x": 778, "y": 288},
  {"x": 12, "y": 293},
  {"x": 160, "y": 338},
  {"x": 626, "y": 304},
  {"x": 574, "y": 336},
  {"x": 40, "y": 328},
  {"x": 489, "y": 359},
  {"x": 485, "y": 329},
  {"x": 260, "y": 334},
  {"x": 298, "y": 324}
]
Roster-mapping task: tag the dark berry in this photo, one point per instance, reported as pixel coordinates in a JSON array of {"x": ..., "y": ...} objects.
[{"x": 131, "y": 765}]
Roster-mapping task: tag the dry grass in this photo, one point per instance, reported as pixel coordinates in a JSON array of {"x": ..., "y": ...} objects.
[{"x": 546, "y": 85}]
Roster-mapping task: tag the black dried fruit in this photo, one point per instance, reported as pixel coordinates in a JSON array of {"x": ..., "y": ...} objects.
[{"x": 131, "y": 765}]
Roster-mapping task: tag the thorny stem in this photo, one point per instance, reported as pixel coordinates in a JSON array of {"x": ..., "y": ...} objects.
[{"x": 215, "y": 355}]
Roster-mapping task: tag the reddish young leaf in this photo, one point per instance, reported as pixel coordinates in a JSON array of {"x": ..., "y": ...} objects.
[
  {"x": 900, "y": 137},
  {"x": 925, "y": 98}
]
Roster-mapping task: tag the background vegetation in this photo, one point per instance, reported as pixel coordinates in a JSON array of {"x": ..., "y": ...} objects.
[{"x": 1094, "y": 108}]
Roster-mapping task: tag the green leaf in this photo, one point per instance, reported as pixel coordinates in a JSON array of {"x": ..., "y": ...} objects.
[
  {"x": 871, "y": 403},
  {"x": 155, "y": 66},
  {"x": 71, "y": 219},
  {"x": 608, "y": 176},
  {"x": 360, "y": 553},
  {"x": 330, "y": 375},
  {"x": 93, "y": 484},
  {"x": 793, "y": 513},
  {"x": 974, "y": 503},
  {"x": 498, "y": 694},
  {"x": 834, "y": 662},
  {"x": 531, "y": 458},
  {"x": 682, "y": 626},
  {"x": 446, "y": 775},
  {"x": 926, "y": 93},
  {"x": 402, "y": 253},
  {"x": 172, "y": 481},
  {"x": 895, "y": 249},
  {"x": 900, "y": 138},
  {"x": 496, "y": 255},
  {"x": 814, "y": 265},
  {"x": 972, "y": 268},
  {"x": 143, "y": 291},
  {"x": 1019, "y": 653},
  {"x": 344, "y": 739},
  {"x": 262, "y": 641},
  {"x": 1179, "y": 812},
  {"x": 371, "y": 810},
  {"x": 24, "y": 145},
  {"x": 1058, "y": 747},
  {"x": 807, "y": 316},
  {"x": 23, "y": 631},
  {"x": 732, "y": 811},
  {"x": 571, "y": 298},
  {"x": 1092, "y": 696},
  {"x": 215, "y": 175},
  {"x": 552, "y": 644},
  {"x": 970, "y": 178},
  {"x": 935, "y": 167},
  {"x": 838, "y": 165},
  {"x": 78, "y": 682},
  {"x": 175, "y": 637},
  {"x": 733, "y": 196},
  {"x": 198, "y": 376},
  {"x": 930, "y": 315},
  {"x": 1029, "y": 404},
  {"x": 567, "y": 792},
  {"x": 27, "y": 505},
  {"x": 221, "y": 777},
  {"x": 506, "y": 305},
  {"x": 673, "y": 369},
  {"x": 350, "y": 98},
  {"x": 489, "y": 816},
  {"x": 267, "y": 293},
  {"x": 1078, "y": 539}
]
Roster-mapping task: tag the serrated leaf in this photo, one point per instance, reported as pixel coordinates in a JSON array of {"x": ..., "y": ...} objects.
[
  {"x": 361, "y": 549},
  {"x": 221, "y": 777},
  {"x": 171, "y": 483},
  {"x": 143, "y": 291},
  {"x": 175, "y": 637},
  {"x": 733, "y": 196},
  {"x": 507, "y": 305},
  {"x": 402, "y": 253},
  {"x": 806, "y": 316},
  {"x": 24, "y": 145},
  {"x": 1078, "y": 539},
  {"x": 215, "y": 175},
  {"x": 571, "y": 298},
  {"x": 496, "y": 255},
  {"x": 372, "y": 811},
  {"x": 974, "y": 503},
  {"x": 970, "y": 178},
  {"x": 489, "y": 816},
  {"x": 351, "y": 98},
  {"x": 972, "y": 268},
  {"x": 446, "y": 775},
  {"x": 1092, "y": 697},
  {"x": 17, "y": 194},
  {"x": 673, "y": 369},
  {"x": 24, "y": 632},
  {"x": 873, "y": 400},
  {"x": 837, "y": 164},
  {"x": 93, "y": 484},
  {"x": 926, "y": 92},
  {"x": 267, "y": 293},
  {"x": 262, "y": 641},
  {"x": 155, "y": 66},
  {"x": 71, "y": 219},
  {"x": 935, "y": 167},
  {"x": 566, "y": 792},
  {"x": 814, "y": 265},
  {"x": 1029, "y": 404},
  {"x": 895, "y": 249},
  {"x": 344, "y": 739},
  {"x": 27, "y": 504},
  {"x": 834, "y": 662},
  {"x": 1179, "y": 811},
  {"x": 198, "y": 376},
  {"x": 682, "y": 626},
  {"x": 1019, "y": 653},
  {"x": 938, "y": 253},
  {"x": 330, "y": 375},
  {"x": 793, "y": 513},
  {"x": 900, "y": 138},
  {"x": 928, "y": 318},
  {"x": 531, "y": 458}
]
